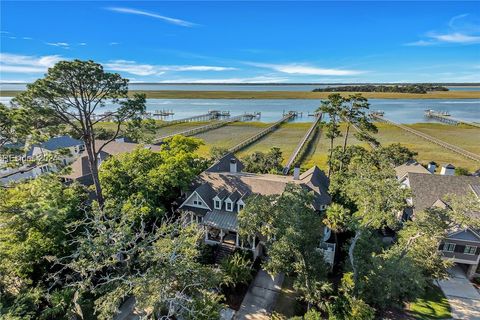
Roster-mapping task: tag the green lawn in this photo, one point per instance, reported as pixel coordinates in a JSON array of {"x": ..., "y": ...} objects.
[{"x": 433, "y": 305}]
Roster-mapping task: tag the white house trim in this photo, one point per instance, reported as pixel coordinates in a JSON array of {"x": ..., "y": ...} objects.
[
  {"x": 204, "y": 206},
  {"x": 229, "y": 203}
]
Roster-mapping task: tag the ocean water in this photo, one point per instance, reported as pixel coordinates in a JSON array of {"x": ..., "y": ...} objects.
[{"x": 399, "y": 110}]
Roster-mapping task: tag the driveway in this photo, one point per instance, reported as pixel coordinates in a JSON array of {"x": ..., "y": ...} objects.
[
  {"x": 464, "y": 299},
  {"x": 261, "y": 296}
]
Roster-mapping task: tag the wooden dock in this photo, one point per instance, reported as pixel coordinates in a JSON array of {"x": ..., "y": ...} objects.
[
  {"x": 261, "y": 134},
  {"x": 448, "y": 119},
  {"x": 300, "y": 147},
  {"x": 211, "y": 115},
  {"x": 448, "y": 146},
  {"x": 208, "y": 127}
]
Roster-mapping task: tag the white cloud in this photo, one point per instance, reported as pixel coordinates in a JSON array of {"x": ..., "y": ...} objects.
[
  {"x": 259, "y": 79},
  {"x": 27, "y": 38},
  {"x": 148, "y": 69},
  {"x": 82, "y": 44},
  {"x": 59, "y": 44},
  {"x": 461, "y": 30},
  {"x": 15, "y": 63},
  {"x": 420, "y": 43},
  {"x": 175, "y": 21},
  {"x": 456, "y": 38},
  {"x": 304, "y": 69},
  {"x": 113, "y": 43}
]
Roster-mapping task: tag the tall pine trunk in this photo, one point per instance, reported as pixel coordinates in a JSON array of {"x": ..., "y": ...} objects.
[
  {"x": 330, "y": 158},
  {"x": 93, "y": 162}
]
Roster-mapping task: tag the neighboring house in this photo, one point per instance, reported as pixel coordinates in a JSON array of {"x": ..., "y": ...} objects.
[
  {"x": 71, "y": 149},
  {"x": 403, "y": 170},
  {"x": 80, "y": 168},
  {"x": 221, "y": 191},
  {"x": 429, "y": 190}
]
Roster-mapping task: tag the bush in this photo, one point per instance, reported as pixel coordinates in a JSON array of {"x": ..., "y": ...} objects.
[{"x": 236, "y": 269}]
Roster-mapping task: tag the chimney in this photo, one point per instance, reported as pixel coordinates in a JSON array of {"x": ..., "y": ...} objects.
[
  {"x": 448, "y": 170},
  {"x": 296, "y": 172},
  {"x": 431, "y": 167},
  {"x": 233, "y": 165}
]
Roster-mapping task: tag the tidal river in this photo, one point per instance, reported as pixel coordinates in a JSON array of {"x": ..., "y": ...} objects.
[{"x": 399, "y": 110}]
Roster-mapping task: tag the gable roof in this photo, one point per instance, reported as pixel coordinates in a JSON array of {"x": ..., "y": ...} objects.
[
  {"x": 81, "y": 167},
  {"x": 60, "y": 143},
  {"x": 409, "y": 167},
  {"x": 428, "y": 188},
  {"x": 241, "y": 184},
  {"x": 464, "y": 235},
  {"x": 223, "y": 165}
]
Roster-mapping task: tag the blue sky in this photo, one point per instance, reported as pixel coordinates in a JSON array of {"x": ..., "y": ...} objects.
[{"x": 246, "y": 41}]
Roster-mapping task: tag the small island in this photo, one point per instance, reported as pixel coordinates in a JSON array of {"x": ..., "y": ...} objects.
[{"x": 421, "y": 88}]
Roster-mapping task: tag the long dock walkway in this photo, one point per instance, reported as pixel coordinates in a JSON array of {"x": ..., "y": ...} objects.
[
  {"x": 448, "y": 119},
  {"x": 301, "y": 144},
  {"x": 448, "y": 146},
  {"x": 211, "y": 126},
  {"x": 211, "y": 115},
  {"x": 262, "y": 133}
]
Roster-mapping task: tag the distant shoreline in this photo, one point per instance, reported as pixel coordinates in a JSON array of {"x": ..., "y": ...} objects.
[
  {"x": 190, "y": 94},
  {"x": 449, "y": 84}
]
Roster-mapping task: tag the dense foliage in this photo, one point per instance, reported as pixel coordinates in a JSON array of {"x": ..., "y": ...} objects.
[
  {"x": 264, "y": 162},
  {"x": 71, "y": 95},
  {"x": 407, "y": 88}
]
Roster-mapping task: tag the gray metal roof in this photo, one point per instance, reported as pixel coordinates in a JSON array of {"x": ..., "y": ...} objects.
[
  {"x": 221, "y": 219},
  {"x": 60, "y": 143}
]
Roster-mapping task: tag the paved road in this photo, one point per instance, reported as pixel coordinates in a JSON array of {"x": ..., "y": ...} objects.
[
  {"x": 260, "y": 298},
  {"x": 464, "y": 299}
]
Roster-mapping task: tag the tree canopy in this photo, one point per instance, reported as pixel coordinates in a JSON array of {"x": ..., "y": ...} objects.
[{"x": 71, "y": 95}]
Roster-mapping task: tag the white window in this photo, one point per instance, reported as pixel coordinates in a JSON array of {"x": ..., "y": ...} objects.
[
  {"x": 229, "y": 206},
  {"x": 323, "y": 207},
  {"x": 197, "y": 202},
  {"x": 240, "y": 207},
  {"x": 218, "y": 204},
  {"x": 470, "y": 250},
  {"x": 449, "y": 247}
]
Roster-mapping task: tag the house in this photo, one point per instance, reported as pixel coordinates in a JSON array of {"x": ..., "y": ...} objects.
[
  {"x": 80, "y": 168},
  {"x": 429, "y": 190},
  {"x": 403, "y": 170},
  {"x": 220, "y": 192},
  {"x": 65, "y": 148}
]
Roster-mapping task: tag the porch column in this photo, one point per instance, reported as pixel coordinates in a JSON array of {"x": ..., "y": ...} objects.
[
  {"x": 222, "y": 234},
  {"x": 253, "y": 243},
  {"x": 236, "y": 240},
  {"x": 206, "y": 233}
]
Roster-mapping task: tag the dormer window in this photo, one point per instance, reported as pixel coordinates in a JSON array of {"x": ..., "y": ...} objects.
[
  {"x": 240, "y": 206},
  {"x": 228, "y": 205},
  {"x": 218, "y": 204}
]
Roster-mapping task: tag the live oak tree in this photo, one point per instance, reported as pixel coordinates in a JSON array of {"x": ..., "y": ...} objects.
[
  {"x": 152, "y": 178},
  {"x": 33, "y": 216},
  {"x": 264, "y": 162},
  {"x": 294, "y": 233},
  {"x": 114, "y": 259},
  {"x": 72, "y": 93},
  {"x": 6, "y": 126}
]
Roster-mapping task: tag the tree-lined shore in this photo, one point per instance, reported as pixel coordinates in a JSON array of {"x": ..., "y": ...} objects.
[{"x": 190, "y": 94}]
